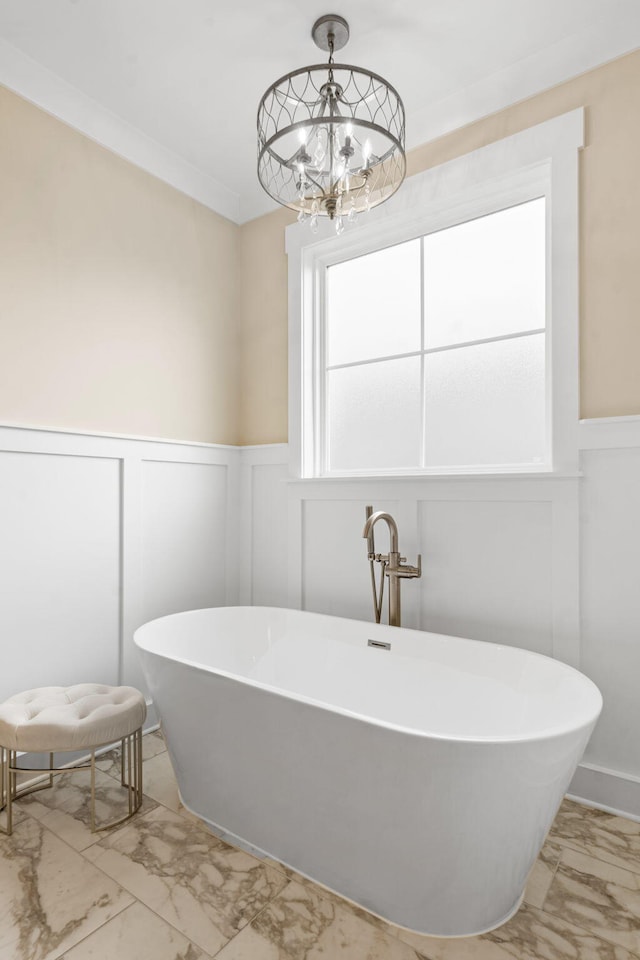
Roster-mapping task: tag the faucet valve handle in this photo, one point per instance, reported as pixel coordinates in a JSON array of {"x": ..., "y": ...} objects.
[{"x": 407, "y": 571}]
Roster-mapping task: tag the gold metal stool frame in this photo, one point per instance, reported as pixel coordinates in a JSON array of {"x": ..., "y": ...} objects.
[{"x": 131, "y": 748}]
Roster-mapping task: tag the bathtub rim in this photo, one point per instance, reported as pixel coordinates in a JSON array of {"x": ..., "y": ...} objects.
[{"x": 542, "y": 735}]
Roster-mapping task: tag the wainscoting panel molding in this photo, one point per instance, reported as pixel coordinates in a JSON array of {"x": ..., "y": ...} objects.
[
  {"x": 99, "y": 534},
  {"x": 59, "y": 570},
  {"x": 488, "y": 547},
  {"x": 609, "y": 433},
  {"x": 487, "y": 571},
  {"x": 551, "y": 564},
  {"x": 263, "y": 525}
]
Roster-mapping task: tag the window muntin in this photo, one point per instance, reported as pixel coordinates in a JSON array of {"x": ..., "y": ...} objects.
[{"x": 434, "y": 351}]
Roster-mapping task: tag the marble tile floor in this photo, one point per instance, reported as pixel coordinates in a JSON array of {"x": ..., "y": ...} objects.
[{"x": 163, "y": 887}]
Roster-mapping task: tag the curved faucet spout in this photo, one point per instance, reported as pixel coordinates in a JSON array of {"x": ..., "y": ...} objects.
[
  {"x": 393, "y": 566},
  {"x": 393, "y": 529}
]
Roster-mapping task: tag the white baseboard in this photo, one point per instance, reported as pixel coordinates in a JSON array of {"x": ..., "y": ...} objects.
[{"x": 608, "y": 790}]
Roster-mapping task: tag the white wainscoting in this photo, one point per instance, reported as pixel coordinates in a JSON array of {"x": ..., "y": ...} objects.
[
  {"x": 552, "y": 565},
  {"x": 263, "y": 528},
  {"x": 500, "y": 556},
  {"x": 610, "y": 607},
  {"x": 100, "y": 534}
]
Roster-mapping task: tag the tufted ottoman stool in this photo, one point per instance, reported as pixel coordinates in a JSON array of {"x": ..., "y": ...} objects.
[{"x": 59, "y": 719}]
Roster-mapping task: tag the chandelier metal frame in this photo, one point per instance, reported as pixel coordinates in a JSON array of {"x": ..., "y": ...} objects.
[{"x": 331, "y": 135}]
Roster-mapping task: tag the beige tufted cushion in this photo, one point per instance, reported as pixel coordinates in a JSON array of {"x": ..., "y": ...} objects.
[{"x": 52, "y": 719}]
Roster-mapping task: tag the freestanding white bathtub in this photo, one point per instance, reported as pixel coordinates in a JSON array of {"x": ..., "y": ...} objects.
[{"x": 419, "y": 781}]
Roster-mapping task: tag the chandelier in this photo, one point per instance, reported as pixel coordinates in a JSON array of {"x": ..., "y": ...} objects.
[{"x": 331, "y": 136}]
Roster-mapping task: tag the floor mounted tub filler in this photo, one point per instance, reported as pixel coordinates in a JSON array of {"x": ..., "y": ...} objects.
[{"x": 413, "y": 773}]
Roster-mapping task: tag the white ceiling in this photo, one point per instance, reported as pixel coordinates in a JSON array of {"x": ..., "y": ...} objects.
[{"x": 173, "y": 85}]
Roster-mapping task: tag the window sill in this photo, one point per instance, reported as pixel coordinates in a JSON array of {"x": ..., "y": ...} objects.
[{"x": 436, "y": 477}]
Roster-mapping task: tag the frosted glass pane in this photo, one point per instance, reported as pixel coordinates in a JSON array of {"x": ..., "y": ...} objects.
[
  {"x": 486, "y": 278},
  {"x": 374, "y": 415},
  {"x": 373, "y": 305},
  {"x": 486, "y": 404}
]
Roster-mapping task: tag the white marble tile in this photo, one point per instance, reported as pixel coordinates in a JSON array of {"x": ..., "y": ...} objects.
[
  {"x": 538, "y": 885},
  {"x": 199, "y": 897},
  {"x": 531, "y": 935},
  {"x": 18, "y": 815},
  {"x": 159, "y": 782},
  {"x": 51, "y": 897},
  {"x": 299, "y": 923},
  {"x": 136, "y": 934},
  {"x": 601, "y": 897},
  {"x": 152, "y": 745},
  {"x": 65, "y": 809},
  {"x": 319, "y": 890},
  {"x": 542, "y": 874},
  {"x": 598, "y": 834},
  {"x": 197, "y": 883}
]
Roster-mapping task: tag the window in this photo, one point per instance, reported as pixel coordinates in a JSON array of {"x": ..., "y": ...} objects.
[
  {"x": 435, "y": 350},
  {"x": 441, "y": 336}
]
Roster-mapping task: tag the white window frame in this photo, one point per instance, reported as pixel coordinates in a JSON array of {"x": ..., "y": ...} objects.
[{"x": 540, "y": 161}]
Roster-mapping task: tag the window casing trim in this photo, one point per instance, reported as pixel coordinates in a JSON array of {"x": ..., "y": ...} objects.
[
  {"x": 540, "y": 161},
  {"x": 503, "y": 194}
]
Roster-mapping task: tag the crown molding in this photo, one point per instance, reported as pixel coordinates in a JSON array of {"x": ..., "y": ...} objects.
[
  {"x": 600, "y": 43},
  {"x": 55, "y": 96}
]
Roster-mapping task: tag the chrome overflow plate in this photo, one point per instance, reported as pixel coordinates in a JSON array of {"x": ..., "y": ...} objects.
[{"x": 380, "y": 644}]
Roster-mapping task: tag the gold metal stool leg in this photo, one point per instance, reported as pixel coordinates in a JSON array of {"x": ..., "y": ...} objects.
[
  {"x": 11, "y": 790},
  {"x": 130, "y": 784},
  {"x": 5, "y": 788},
  {"x": 131, "y": 762},
  {"x": 139, "y": 735},
  {"x": 93, "y": 791}
]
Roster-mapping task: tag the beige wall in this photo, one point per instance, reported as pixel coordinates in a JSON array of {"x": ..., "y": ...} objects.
[
  {"x": 610, "y": 251},
  {"x": 263, "y": 329},
  {"x": 118, "y": 295},
  {"x": 126, "y": 307}
]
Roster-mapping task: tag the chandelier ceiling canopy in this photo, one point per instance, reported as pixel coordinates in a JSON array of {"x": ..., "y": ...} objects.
[{"x": 331, "y": 136}]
